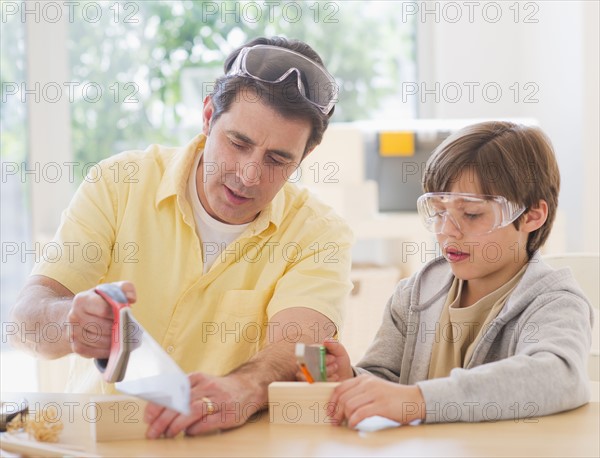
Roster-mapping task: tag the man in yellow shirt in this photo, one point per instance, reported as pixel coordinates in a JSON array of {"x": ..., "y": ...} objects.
[{"x": 226, "y": 263}]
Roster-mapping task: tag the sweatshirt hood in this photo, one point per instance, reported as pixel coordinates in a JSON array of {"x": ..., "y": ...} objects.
[{"x": 539, "y": 284}]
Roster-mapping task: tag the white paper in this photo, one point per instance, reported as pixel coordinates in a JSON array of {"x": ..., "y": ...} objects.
[{"x": 376, "y": 423}]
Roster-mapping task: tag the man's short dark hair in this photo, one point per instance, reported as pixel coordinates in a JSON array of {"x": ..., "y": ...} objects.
[{"x": 283, "y": 97}]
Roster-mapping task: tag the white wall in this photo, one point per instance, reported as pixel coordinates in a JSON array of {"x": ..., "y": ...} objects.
[
  {"x": 558, "y": 56},
  {"x": 49, "y": 126},
  {"x": 591, "y": 124}
]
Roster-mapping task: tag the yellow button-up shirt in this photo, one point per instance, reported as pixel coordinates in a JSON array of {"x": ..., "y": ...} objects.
[{"x": 131, "y": 220}]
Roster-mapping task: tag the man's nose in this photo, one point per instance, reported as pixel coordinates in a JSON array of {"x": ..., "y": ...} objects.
[{"x": 250, "y": 173}]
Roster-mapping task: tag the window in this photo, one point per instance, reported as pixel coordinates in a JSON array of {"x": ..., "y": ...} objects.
[
  {"x": 143, "y": 68},
  {"x": 15, "y": 216}
]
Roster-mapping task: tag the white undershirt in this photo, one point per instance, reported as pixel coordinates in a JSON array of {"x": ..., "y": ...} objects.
[{"x": 214, "y": 235}]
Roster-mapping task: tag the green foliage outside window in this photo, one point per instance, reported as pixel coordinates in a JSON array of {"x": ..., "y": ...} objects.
[
  {"x": 138, "y": 52},
  {"x": 12, "y": 72}
]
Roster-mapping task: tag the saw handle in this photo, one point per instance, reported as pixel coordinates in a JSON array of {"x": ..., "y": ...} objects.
[{"x": 113, "y": 368}]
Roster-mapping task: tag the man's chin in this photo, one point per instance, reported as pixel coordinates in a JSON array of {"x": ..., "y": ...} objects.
[{"x": 235, "y": 217}]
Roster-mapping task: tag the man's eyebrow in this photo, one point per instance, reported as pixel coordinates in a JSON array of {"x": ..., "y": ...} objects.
[{"x": 244, "y": 138}]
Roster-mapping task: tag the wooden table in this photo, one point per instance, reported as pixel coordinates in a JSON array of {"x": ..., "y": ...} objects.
[{"x": 573, "y": 433}]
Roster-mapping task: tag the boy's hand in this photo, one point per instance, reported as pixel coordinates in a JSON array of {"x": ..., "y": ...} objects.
[
  {"x": 366, "y": 395},
  {"x": 337, "y": 361}
]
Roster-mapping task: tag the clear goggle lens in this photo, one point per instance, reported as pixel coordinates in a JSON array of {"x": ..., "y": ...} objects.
[
  {"x": 471, "y": 214},
  {"x": 273, "y": 64}
]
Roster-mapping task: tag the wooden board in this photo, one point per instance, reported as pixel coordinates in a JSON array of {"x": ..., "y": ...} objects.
[
  {"x": 25, "y": 446},
  {"x": 300, "y": 403},
  {"x": 117, "y": 418}
]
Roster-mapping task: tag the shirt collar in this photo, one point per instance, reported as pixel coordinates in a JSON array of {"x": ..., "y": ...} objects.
[
  {"x": 174, "y": 181},
  {"x": 271, "y": 215},
  {"x": 177, "y": 170}
]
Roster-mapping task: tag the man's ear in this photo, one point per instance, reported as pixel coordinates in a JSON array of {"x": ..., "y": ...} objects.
[
  {"x": 207, "y": 112},
  {"x": 535, "y": 217}
]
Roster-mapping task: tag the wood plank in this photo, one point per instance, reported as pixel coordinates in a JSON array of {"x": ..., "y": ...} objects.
[
  {"x": 300, "y": 403},
  {"x": 25, "y": 446},
  {"x": 118, "y": 418}
]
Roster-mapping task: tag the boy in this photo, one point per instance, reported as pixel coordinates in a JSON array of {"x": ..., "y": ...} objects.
[{"x": 487, "y": 331}]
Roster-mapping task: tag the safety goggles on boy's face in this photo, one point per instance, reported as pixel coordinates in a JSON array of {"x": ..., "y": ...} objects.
[
  {"x": 472, "y": 214},
  {"x": 273, "y": 64}
]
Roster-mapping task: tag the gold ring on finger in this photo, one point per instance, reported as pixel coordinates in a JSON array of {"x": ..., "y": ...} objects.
[{"x": 210, "y": 406}]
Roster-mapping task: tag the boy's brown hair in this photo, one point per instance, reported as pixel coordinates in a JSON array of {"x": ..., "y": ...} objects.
[{"x": 507, "y": 159}]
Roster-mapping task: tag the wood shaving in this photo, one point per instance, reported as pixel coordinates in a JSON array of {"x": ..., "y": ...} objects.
[{"x": 44, "y": 426}]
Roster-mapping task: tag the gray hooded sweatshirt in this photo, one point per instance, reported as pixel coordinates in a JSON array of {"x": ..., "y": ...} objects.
[{"x": 530, "y": 361}]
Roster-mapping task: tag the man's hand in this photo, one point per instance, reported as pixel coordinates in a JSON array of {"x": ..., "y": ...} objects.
[
  {"x": 85, "y": 319},
  {"x": 226, "y": 402},
  {"x": 366, "y": 395},
  {"x": 90, "y": 321},
  {"x": 216, "y": 403}
]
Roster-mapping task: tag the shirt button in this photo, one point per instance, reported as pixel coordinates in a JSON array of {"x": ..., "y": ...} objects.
[{"x": 170, "y": 349}]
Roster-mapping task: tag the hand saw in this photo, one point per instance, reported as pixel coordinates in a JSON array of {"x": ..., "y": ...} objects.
[{"x": 137, "y": 364}]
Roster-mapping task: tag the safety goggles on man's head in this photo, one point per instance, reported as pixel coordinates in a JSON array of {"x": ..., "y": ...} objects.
[
  {"x": 273, "y": 64},
  {"x": 471, "y": 214}
]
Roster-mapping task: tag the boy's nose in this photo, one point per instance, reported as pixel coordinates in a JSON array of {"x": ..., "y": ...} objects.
[{"x": 450, "y": 227}]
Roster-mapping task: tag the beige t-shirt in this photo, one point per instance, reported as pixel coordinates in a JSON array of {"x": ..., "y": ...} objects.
[{"x": 460, "y": 329}]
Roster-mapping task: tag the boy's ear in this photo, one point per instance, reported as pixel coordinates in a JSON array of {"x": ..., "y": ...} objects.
[{"x": 535, "y": 217}]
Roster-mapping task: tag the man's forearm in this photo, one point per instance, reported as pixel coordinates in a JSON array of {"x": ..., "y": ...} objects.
[
  {"x": 276, "y": 362},
  {"x": 38, "y": 322}
]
